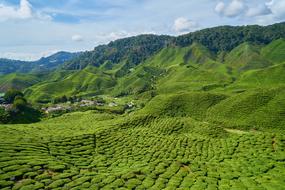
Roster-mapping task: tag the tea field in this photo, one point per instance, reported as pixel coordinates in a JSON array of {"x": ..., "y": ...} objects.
[{"x": 102, "y": 151}]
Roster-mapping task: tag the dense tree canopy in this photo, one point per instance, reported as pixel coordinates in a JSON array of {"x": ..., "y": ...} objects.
[
  {"x": 225, "y": 38},
  {"x": 134, "y": 50}
]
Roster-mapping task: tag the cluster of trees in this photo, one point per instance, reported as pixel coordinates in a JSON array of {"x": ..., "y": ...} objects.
[
  {"x": 18, "y": 110},
  {"x": 16, "y": 98},
  {"x": 133, "y": 50},
  {"x": 64, "y": 99},
  {"x": 226, "y": 38}
]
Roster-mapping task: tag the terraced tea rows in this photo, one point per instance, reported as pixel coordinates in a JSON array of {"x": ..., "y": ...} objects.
[{"x": 142, "y": 153}]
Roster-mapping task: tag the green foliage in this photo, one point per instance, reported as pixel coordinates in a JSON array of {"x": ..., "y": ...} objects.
[
  {"x": 72, "y": 151},
  {"x": 209, "y": 120},
  {"x": 25, "y": 114},
  {"x": 19, "y": 81},
  {"x": 225, "y": 38},
  {"x": 4, "y": 116},
  {"x": 20, "y": 103},
  {"x": 259, "y": 108},
  {"x": 11, "y": 94},
  {"x": 133, "y": 50},
  {"x": 275, "y": 51},
  {"x": 185, "y": 104},
  {"x": 89, "y": 81},
  {"x": 62, "y": 99},
  {"x": 273, "y": 76},
  {"x": 245, "y": 57}
]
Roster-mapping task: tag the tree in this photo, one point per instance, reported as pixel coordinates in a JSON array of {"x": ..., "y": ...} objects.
[
  {"x": 61, "y": 99},
  {"x": 4, "y": 116},
  {"x": 64, "y": 99},
  {"x": 20, "y": 103},
  {"x": 11, "y": 94}
]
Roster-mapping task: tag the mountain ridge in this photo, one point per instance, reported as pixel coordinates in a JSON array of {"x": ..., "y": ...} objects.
[{"x": 43, "y": 64}]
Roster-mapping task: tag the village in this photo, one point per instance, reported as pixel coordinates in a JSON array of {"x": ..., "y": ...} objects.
[
  {"x": 79, "y": 104},
  {"x": 94, "y": 102}
]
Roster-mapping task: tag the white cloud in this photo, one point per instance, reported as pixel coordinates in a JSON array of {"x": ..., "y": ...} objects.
[
  {"x": 77, "y": 38},
  {"x": 262, "y": 12},
  {"x": 233, "y": 9},
  {"x": 28, "y": 56},
  {"x": 220, "y": 7},
  {"x": 184, "y": 25},
  {"x": 278, "y": 8},
  {"x": 259, "y": 10},
  {"x": 22, "y": 12}
]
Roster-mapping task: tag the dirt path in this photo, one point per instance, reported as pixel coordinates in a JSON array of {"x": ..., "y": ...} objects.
[{"x": 236, "y": 131}]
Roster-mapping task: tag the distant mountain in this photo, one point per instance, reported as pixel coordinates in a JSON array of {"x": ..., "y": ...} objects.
[{"x": 8, "y": 66}]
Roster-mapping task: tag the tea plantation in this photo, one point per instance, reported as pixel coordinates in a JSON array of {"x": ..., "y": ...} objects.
[
  {"x": 101, "y": 151},
  {"x": 203, "y": 111}
]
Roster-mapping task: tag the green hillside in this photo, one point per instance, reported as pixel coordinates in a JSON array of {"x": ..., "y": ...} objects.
[
  {"x": 275, "y": 51},
  {"x": 202, "y": 111},
  {"x": 194, "y": 105},
  {"x": 267, "y": 77},
  {"x": 258, "y": 108},
  {"x": 18, "y": 81},
  {"x": 173, "y": 68},
  {"x": 89, "y": 80},
  {"x": 245, "y": 57}
]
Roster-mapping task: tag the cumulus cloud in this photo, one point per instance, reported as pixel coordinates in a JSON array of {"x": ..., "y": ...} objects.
[
  {"x": 77, "y": 38},
  {"x": 265, "y": 12},
  {"x": 220, "y": 7},
  {"x": 184, "y": 25},
  {"x": 233, "y": 9},
  {"x": 22, "y": 12},
  {"x": 259, "y": 10},
  {"x": 278, "y": 8}
]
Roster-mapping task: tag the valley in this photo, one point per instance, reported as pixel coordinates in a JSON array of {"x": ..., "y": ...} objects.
[{"x": 204, "y": 110}]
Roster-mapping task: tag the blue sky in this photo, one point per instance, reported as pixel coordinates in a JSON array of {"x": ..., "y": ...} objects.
[{"x": 30, "y": 29}]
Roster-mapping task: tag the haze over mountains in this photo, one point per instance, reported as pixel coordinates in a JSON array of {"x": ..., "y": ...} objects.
[{"x": 49, "y": 63}]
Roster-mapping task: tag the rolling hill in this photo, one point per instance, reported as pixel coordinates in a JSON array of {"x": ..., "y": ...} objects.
[
  {"x": 171, "y": 69},
  {"x": 211, "y": 116}
]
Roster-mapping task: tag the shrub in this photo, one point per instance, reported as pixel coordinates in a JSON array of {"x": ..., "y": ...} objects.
[{"x": 11, "y": 94}]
